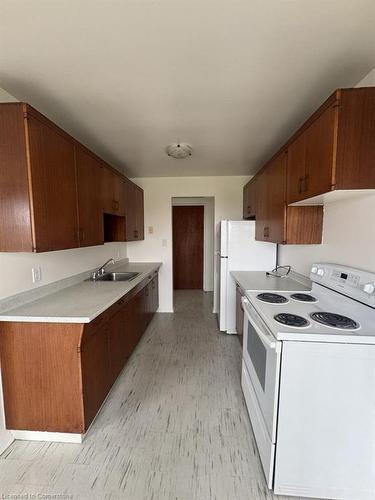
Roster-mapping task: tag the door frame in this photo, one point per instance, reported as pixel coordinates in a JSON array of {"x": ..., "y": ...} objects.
[{"x": 208, "y": 234}]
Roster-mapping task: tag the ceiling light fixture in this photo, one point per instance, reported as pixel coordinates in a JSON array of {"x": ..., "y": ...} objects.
[{"x": 179, "y": 150}]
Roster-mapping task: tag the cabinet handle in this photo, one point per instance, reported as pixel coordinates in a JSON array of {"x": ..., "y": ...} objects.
[
  {"x": 115, "y": 205},
  {"x": 266, "y": 232},
  {"x": 306, "y": 183},
  {"x": 300, "y": 179}
]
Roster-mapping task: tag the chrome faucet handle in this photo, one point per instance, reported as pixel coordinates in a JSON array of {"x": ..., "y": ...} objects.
[{"x": 101, "y": 270}]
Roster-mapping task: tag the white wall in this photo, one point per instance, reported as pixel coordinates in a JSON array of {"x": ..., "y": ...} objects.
[
  {"x": 159, "y": 192},
  {"x": 348, "y": 231}
]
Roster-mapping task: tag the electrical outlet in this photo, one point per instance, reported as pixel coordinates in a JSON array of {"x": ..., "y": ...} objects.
[
  {"x": 36, "y": 273},
  {"x": 150, "y": 229}
]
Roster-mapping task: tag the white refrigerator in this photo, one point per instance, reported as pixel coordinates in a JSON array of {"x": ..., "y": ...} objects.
[{"x": 238, "y": 252}]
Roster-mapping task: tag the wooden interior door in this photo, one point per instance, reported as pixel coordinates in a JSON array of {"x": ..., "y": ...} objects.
[{"x": 188, "y": 239}]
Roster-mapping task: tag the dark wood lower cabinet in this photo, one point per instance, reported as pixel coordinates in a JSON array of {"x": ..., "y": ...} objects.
[
  {"x": 56, "y": 376},
  {"x": 95, "y": 369}
]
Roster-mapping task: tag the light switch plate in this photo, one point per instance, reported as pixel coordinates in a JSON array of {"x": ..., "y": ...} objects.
[{"x": 36, "y": 273}]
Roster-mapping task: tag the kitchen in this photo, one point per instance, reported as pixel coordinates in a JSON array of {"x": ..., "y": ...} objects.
[{"x": 153, "y": 404}]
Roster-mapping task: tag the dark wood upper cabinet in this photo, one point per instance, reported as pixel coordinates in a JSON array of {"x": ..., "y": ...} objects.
[
  {"x": 53, "y": 185},
  {"x": 334, "y": 149},
  {"x": 54, "y": 192},
  {"x": 275, "y": 221},
  {"x": 38, "y": 190},
  {"x": 249, "y": 199},
  {"x": 134, "y": 212},
  {"x": 90, "y": 210},
  {"x": 311, "y": 157},
  {"x": 112, "y": 192}
]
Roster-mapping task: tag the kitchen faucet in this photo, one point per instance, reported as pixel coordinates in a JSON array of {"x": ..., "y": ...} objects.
[{"x": 100, "y": 271}]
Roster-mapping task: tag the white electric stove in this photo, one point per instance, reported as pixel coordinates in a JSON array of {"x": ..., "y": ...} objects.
[{"x": 308, "y": 377}]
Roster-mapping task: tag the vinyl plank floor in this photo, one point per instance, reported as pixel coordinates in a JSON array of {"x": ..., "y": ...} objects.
[{"x": 175, "y": 426}]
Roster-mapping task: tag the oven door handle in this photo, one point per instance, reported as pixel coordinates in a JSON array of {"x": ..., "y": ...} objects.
[{"x": 263, "y": 337}]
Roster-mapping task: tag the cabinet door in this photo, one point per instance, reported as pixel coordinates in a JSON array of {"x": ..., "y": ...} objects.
[
  {"x": 296, "y": 168},
  {"x": 139, "y": 214},
  {"x": 140, "y": 314},
  {"x": 271, "y": 208},
  {"x": 249, "y": 199},
  {"x": 119, "y": 194},
  {"x": 53, "y": 186},
  {"x": 276, "y": 217},
  {"x": 320, "y": 153},
  {"x": 90, "y": 212},
  {"x": 119, "y": 344},
  {"x": 130, "y": 213},
  {"x": 239, "y": 313},
  {"x": 261, "y": 224},
  {"x": 148, "y": 305},
  {"x": 155, "y": 293},
  {"x": 113, "y": 196},
  {"x": 95, "y": 372}
]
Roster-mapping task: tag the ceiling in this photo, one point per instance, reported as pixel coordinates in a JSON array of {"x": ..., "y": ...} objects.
[{"x": 231, "y": 78}]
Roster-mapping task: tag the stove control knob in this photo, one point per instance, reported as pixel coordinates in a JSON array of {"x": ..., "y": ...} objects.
[
  {"x": 368, "y": 288},
  {"x": 314, "y": 269},
  {"x": 320, "y": 272}
]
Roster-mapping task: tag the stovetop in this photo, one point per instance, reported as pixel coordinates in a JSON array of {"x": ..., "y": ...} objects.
[{"x": 318, "y": 315}]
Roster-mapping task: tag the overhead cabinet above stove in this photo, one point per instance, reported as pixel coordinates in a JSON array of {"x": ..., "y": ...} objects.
[
  {"x": 55, "y": 193},
  {"x": 335, "y": 149},
  {"x": 331, "y": 156}
]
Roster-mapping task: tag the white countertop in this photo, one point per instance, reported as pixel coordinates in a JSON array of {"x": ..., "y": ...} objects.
[
  {"x": 259, "y": 281},
  {"x": 80, "y": 303}
]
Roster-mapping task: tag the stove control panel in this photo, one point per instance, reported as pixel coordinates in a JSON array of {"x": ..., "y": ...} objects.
[{"x": 355, "y": 283}]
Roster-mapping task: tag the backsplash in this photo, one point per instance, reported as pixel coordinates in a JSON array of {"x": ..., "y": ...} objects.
[{"x": 16, "y": 268}]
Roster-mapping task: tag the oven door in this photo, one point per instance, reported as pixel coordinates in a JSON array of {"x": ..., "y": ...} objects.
[{"x": 262, "y": 355}]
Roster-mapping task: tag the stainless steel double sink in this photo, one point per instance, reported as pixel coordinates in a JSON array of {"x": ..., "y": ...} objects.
[{"x": 125, "y": 276}]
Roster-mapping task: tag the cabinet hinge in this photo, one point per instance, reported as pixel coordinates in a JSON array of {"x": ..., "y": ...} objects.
[{"x": 79, "y": 350}]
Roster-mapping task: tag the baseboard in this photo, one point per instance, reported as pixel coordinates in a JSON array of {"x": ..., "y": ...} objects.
[{"x": 56, "y": 437}]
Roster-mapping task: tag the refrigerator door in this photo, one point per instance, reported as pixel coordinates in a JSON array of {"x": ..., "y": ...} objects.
[
  {"x": 223, "y": 264},
  {"x": 244, "y": 254},
  {"x": 224, "y": 228}
]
